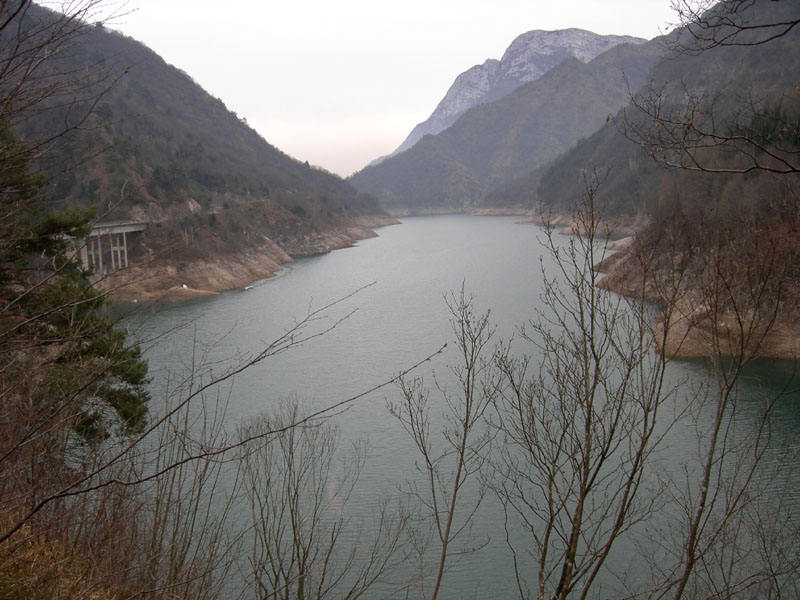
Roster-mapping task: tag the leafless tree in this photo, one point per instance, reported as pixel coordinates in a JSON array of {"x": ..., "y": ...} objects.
[
  {"x": 577, "y": 425},
  {"x": 578, "y": 432},
  {"x": 705, "y": 121},
  {"x": 38, "y": 80},
  {"x": 451, "y": 461},
  {"x": 739, "y": 299},
  {"x": 706, "y": 24},
  {"x": 306, "y": 543},
  {"x": 582, "y": 421},
  {"x": 695, "y": 130},
  {"x": 162, "y": 479},
  {"x": 728, "y": 497}
]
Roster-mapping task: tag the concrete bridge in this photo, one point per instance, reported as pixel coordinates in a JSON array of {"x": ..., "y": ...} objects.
[{"x": 105, "y": 249}]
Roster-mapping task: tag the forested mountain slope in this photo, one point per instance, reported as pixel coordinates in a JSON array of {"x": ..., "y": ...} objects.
[
  {"x": 706, "y": 154},
  {"x": 158, "y": 148},
  {"x": 729, "y": 90},
  {"x": 493, "y": 143}
]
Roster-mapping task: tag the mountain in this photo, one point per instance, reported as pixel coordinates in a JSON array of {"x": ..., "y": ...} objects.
[
  {"x": 528, "y": 57},
  {"x": 493, "y": 143},
  {"x": 159, "y": 149},
  {"x": 729, "y": 88},
  {"x": 704, "y": 163}
]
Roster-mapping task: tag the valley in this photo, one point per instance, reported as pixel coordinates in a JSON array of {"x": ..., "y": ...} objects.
[{"x": 547, "y": 347}]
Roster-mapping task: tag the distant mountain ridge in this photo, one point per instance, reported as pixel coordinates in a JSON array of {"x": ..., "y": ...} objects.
[
  {"x": 529, "y": 56},
  {"x": 495, "y": 142}
]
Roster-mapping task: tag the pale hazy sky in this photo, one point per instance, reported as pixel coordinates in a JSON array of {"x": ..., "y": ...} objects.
[{"x": 341, "y": 82}]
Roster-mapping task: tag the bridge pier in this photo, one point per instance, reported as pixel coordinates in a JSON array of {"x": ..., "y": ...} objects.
[{"x": 97, "y": 255}]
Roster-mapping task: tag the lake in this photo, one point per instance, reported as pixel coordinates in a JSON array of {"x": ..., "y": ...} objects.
[{"x": 389, "y": 314}]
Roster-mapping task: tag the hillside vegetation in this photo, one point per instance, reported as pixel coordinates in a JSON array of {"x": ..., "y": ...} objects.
[
  {"x": 158, "y": 148},
  {"x": 494, "y": 143},
  {"x": 707, "y": 152},
  {"x": 103, "y": 497},
  {"x": 730, "y": 88}
]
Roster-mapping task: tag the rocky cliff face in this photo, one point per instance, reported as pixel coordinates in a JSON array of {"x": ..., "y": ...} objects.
[{"x": 529, "y": 57}]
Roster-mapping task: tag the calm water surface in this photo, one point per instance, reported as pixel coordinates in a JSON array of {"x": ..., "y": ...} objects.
[{"x": 397, "y": 317}]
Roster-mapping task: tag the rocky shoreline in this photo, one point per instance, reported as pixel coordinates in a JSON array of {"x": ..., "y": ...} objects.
[
  {"x": 691, "y": 332},
  {"x": 615, "y": 228},
  {"x": 689, "y": 328},
  {"x": 519, "y": 211},
  {"x": 158, "y": 279}
]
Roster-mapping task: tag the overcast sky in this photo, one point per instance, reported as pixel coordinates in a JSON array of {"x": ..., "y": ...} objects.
[{"x": 341, "y": 82}]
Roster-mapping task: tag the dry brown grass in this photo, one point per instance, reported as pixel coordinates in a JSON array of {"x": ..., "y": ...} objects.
[{"x": 37, "y": 567}]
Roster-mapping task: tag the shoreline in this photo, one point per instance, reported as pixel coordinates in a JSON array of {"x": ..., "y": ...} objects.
[
  {"x": 693, "y": 330},
  {"x": 161, "y": 280}
]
